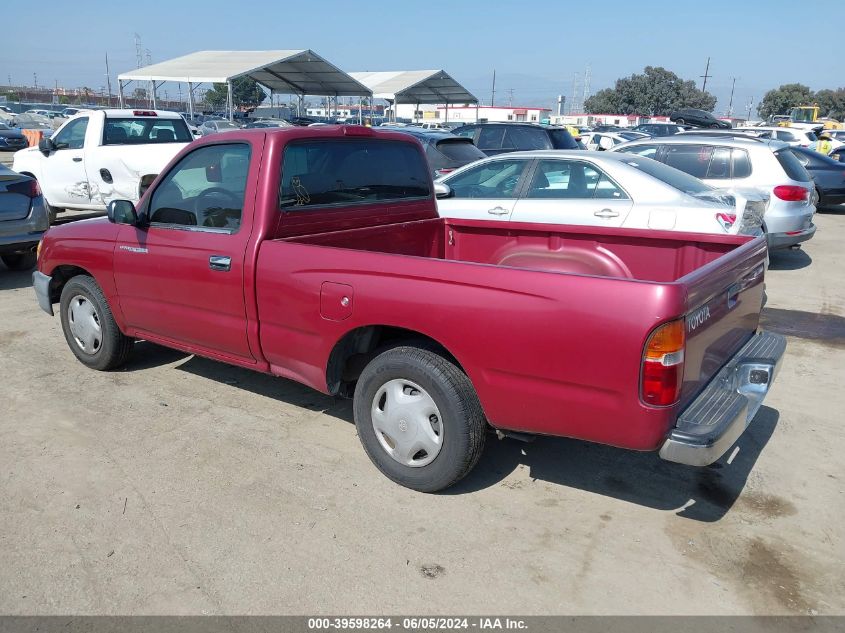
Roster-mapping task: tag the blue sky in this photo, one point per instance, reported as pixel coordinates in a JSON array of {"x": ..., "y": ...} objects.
[{"x": 535, "y": 47}]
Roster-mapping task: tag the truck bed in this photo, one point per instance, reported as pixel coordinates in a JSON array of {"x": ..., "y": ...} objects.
[
  {"x": 559, "y": 314},
  {"x": 659, "y": 256}
]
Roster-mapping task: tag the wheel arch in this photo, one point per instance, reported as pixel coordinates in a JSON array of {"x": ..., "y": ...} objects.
[
  {"x": 62, "y": 274},
  {"x": 357, "y": 347}
]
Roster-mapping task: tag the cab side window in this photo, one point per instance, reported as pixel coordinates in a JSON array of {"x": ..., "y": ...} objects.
[
  {"x": 72, "y": 136},
  {"x": 205, "y": 189}
]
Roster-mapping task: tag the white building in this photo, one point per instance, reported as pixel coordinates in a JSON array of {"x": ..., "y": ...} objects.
[{"x": 471, "y": 113}]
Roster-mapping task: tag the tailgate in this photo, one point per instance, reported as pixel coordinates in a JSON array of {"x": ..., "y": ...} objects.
[{"x": 724, "y": 299}]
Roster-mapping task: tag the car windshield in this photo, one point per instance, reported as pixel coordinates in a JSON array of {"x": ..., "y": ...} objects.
[
  {"x": 673, "y": 177},
  {"x": 459, "y": 149},
  {"x": 561, "y": 139}
]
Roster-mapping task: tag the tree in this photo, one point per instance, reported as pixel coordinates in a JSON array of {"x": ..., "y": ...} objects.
[
  {"x": 655, "y": 92},
  {"x": 246, "y": 92},
  {"x": 781, "y": 100},
  {"x": 831, "y": 103}
]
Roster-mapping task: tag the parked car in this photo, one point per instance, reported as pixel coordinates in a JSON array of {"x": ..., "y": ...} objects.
[
  {"x": 607, "y": 127},
  {"x": 699, "y": 118},
  {"x": 602, "y": 141},
  {"x": 836, "y": 135},
  {"x": 730, "y": 161},
  {"x": 827, "y": 174},
  {"x": 500, "y": 138},
  {"x": 69, "y": 112},
  {"x": 790, "y": 135},
  {"x": 588, "y": 188},
  {"x": 439, "y": 127},
  {"x": 646, "y": 341},
  {"x": 445, "y": 151},
  {"x": 101, "y": 155},
  {"x": 658, "y": 129},
  {"x": 216, "y": 126},
  {"x": 23, "y": 219},
  {"x": 11, "y": 139},
  {"x": 267, "y": 123}
]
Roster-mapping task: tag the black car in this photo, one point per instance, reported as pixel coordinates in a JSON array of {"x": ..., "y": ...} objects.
[
  {"x": 607, "y": 127},
  {"x": 699, "y": 118},
  {"x": 500, "y": 138},
  {"x": 303, "y": 121},
  {"x": 11, "y": 140},
  {"x": 658, "y": 129},
  {"x": 827, "y": 174},
  {"x": 445, "y": 152}
]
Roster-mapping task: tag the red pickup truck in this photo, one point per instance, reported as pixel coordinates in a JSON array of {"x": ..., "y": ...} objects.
[{"x": 317, "y": 254}]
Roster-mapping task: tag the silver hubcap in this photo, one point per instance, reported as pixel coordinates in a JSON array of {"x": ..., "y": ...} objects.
[
  {"x": 407, "y": 423},
  {"x": 84, "y": 324}
]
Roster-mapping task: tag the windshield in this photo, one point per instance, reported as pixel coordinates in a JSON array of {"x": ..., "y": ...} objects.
[
  {"x": 802, "y": 115},
  {"x": 673, "y": 177},
  {"x": 561, "y": 139},
  {"x": 460, "y": 149}
]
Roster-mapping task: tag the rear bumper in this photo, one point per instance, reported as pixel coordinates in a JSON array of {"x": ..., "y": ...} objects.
[
  {"x": 41, "y": 284},
  {"x": 718, "y": 416},
  {"x": 785, "y": 240}
]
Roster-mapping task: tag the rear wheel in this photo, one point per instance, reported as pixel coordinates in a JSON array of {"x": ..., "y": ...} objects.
[
  {"x": 680, "y": 122},
  {"x": 19, "y": 261},
  {"x": 89, "y": 326},
  {"x": 418, "y": 418}
]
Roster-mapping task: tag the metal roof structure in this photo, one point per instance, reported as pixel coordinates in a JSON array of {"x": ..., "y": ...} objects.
[
  {"x": 415, "y": 86},
  {"x": 301, "y": 72}
]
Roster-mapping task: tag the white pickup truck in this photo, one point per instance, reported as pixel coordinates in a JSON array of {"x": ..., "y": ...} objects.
[{"x": 102, "y": 155}]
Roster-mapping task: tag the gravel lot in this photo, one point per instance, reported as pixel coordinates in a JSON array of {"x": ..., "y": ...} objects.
[{"x": 181, "y": 485}]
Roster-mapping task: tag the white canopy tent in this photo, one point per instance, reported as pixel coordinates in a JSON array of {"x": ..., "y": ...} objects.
[
  {"x": 415, "y": 86},
  {"x": 300, "y": 72}
]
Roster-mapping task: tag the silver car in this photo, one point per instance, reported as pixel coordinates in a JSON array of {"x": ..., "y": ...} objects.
[
  {"x": 216, "y": 126},
  {"x": 723, "y": 160}
]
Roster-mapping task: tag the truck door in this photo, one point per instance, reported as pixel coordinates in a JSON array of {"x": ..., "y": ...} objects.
[
  {"x": 63, "y": 177},
  {"x": 182, "y": 277},
  {"x": 568, "y": 191}
]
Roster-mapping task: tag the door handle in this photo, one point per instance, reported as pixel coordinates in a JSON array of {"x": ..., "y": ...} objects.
[
  {"x": 498, "y": 211},
  {"x": 77, "y": 159},
  {"x": 220, "y": 262},
  {"x": 606, "y": 213}
]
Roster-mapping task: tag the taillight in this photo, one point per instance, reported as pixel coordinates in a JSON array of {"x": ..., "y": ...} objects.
[
  {"x": 663, "y": 365},
  {"x": 726, "y": 220},
  {"x": 28, "y": 188},
  {"x": 34, "y": 189},
  {"x": 144, "y": 113},
  {"x": 791, "y": 193}
]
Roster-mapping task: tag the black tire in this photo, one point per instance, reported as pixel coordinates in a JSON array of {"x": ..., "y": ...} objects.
[
  {"x": 19, "y": 261},
  {"x": 463, "y": 423},
  {"x": 680, "y": 122},
  {"x": 114, "y": 347}
]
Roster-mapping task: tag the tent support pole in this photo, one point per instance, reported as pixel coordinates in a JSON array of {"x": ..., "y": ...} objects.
[
  {"x": 229, "y": 102},
  {"x": 447, "y": 112},
  {"x": 191, "y": 101},
  {"x": 120, "y": 92}
]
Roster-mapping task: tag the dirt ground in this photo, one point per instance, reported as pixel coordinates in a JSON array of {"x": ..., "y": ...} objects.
[{"x": 180, "y": 485}]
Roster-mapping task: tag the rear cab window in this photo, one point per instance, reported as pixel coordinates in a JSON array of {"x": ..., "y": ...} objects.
[
  {"x": 793, "y": 168},
  {"x": 145, "y": 131},
  {"x": 343, "y": 172}
]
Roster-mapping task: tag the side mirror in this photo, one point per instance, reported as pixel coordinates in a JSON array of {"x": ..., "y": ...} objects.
[
  {"x": 442, "y": 191},
  {"x": 46, "y": 145},
  {"x": 122, "y": 212}
]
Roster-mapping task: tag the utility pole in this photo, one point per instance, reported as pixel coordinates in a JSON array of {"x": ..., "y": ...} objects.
[
  {"x": 706, "y": 75},
  {"x": 510, "y": 97},
  {"x": 493, "y": 93},
  {"x": 35, "y": 79},
  {"x": 587, "y": 75},
  {"x": 731, "y": 102},
  {"x": 108, "y": 77},
  {"x": 750, "y": 102}
]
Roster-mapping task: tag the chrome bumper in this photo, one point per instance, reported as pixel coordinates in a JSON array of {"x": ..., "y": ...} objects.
[
  {"x": 717, "y": 417},
  {"x": 41, "y": 284}
]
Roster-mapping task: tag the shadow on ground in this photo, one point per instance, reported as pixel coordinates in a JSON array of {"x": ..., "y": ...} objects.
[
  {"x": 789, "y": 259},
  {"x": 701, "y": 494},
  {"x": 13, "y": 279}
]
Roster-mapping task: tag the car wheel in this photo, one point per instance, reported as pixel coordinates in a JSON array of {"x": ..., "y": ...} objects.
[
  {"x": 418, "y": 418},
  {"x": 89, "y": 326},
  {"x": 19, "y": 261},
  {"x": 680, "y": 122}
]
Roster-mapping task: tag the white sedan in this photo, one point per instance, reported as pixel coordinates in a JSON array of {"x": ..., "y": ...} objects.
[
  {"x": 599, "y": 189},
  {"x": 601, "y": 141}
]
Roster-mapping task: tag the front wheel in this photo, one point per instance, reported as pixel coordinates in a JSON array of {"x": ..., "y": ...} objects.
[
  {"x": 89, "y": 326},
  {"x": 418, "y": 418}
]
